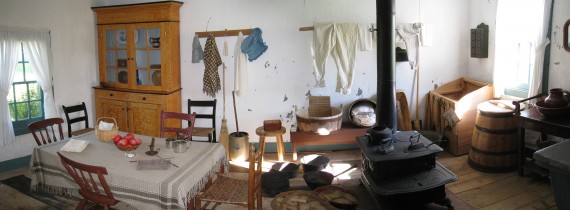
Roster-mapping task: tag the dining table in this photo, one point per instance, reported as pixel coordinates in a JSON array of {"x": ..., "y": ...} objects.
[{"x": 172, "y": 187}]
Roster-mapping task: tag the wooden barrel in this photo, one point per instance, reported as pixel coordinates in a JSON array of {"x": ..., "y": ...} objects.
[{"x": 494, "y": 142}]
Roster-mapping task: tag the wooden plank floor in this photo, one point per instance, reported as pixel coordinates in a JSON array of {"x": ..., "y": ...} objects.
[
  {"x": 497, "y": 190},
  {"x": 479, "y": 189}
]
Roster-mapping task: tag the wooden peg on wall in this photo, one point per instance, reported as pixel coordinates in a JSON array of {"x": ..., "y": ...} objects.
[{"x": 235, "y": 32}]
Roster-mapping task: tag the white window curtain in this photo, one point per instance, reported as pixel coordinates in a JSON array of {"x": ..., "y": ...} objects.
[
  {"x": 37, "y": 45},
  {"x": 535, "y": 86},
  {"x": 9, "y": 50},
  {"x": 509, "y": 28}
]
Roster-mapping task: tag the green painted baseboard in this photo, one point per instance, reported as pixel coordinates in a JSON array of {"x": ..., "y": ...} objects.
[{"x": 15, "y": 163}]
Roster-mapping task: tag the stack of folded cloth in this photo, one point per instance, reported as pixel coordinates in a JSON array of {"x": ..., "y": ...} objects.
[{"x": 74, "y": 145}]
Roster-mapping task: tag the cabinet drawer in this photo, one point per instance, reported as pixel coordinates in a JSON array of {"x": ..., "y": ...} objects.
[
  {"x": 146, "y": 98},
  {"x": 108, "y": 94}
]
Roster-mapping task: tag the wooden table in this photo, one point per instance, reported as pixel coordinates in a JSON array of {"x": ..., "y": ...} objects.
[
  {"x": 346, "y": 135},
  {"x": 530, "y": 118},
  {"x": 173, "y": 188}
]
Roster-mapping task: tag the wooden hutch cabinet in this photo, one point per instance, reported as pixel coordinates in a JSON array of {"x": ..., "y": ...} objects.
[{"x": 139, "y": 65}]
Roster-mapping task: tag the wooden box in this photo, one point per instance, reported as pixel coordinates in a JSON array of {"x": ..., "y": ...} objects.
[
  {"x": 271, "y": 125},
  {"x": 461, "y": 96}
]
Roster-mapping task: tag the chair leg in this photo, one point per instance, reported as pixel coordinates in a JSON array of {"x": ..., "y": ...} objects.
[
  {"x": 259, "y": 200},
  {"x": 81, "y": 204},
  {"x": 210, "y": 138},
  {"x": 197, "y": 204}
]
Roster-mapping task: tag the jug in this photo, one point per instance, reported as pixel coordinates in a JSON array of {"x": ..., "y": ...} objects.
[
  {"x": 180, "y": 146},
  {"x": 557, "y": 98}
]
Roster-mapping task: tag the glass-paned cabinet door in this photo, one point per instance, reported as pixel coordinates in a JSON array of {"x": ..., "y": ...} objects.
[
  {"x": 116, "y": 56},
  {"x": 148, "y": 60}
]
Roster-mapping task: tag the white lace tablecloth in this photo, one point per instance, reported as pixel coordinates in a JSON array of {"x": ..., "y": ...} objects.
[{"x": 139, "y": 189}]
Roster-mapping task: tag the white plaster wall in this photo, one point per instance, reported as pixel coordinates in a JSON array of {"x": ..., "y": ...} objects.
[
  {"x": 446, "y": 59},
  {"x": 559, "y": 58},
  {"x": 73, "y": 33},
  {"x": 483, "y": 12}
]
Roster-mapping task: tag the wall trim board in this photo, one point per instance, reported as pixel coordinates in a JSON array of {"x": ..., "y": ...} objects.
[{"x": 16, "y": 163}]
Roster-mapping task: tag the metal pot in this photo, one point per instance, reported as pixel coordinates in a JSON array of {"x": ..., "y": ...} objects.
[
  {"x": 314, "y": 162},
  {"x": 180, "y": 146}
]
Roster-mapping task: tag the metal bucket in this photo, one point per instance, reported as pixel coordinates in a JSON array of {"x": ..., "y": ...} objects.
[{"x": 239, "y": 146}]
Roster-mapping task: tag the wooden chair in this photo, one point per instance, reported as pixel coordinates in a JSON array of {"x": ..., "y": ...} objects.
[
  {"x": 84, "y": 175},
  {"x": 233, "y": 191},
  {"x": 77, "y": 109},
  {"x": 209, "y": 132},
  {"x": 44, "y": 131},
  {"x": 175, "y": 132}
]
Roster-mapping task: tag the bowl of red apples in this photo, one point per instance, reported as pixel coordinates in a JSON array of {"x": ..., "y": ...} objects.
[{"x": 127, "y": 143}]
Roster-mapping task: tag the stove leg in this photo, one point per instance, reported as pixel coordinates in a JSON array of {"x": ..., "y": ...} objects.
[{"x": 445, "y": 202}]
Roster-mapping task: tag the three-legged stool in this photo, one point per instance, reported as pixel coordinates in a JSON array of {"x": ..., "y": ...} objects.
[{"x": 278, "y": 134}]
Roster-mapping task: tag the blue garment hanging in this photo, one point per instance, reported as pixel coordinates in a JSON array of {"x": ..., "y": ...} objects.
[
  {"x": 253, "y": 45},
  {"x": 197, "y": 52}
]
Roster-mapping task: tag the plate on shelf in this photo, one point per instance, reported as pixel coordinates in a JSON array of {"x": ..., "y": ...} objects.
[
  {"x": 123, "y": 77},
  {"x": 156, "y": 80}
]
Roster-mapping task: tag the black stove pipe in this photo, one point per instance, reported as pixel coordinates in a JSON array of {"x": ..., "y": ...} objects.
[{"x": 386, "y": 59}]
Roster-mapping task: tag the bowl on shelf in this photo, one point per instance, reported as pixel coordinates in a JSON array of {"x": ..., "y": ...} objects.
[{"x": 552, "y": 112}]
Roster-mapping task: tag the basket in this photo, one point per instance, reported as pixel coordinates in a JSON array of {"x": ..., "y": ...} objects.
[
  {"x": 296, "y": 198},
  {"x": 106, "y": 136},
  {"x": 328, "y": 193}
]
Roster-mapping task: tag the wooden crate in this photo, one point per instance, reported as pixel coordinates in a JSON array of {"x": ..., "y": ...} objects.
[{"x": 462, "y": 95}]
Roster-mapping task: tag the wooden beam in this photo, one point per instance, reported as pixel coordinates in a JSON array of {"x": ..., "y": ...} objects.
[
  {"x": 223, "y": 33},
  {"x": 308, "y": 28}
]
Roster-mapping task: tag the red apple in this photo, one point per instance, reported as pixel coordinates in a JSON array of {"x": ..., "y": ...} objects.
[
  {"x": 129, "y": 136},
  {"x": 132, "y": 142},
  {"x": 117, "y": 138},
  {"x": 123, "y": 142},
  {"x": 138, "y": 141}
]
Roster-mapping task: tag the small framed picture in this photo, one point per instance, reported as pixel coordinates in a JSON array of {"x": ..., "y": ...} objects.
[{"x": 122, "y": 36}]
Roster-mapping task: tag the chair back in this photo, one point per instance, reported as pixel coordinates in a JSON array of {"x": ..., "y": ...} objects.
[
  {"x": 44, "y": 131},
  {"x": 254, "y": 179},
  {"x": 90, "y": 180},
  {"x": 76, "y": 117},
  {"x": 175, "y": 131},
  {"x": 204, "y": 116}
]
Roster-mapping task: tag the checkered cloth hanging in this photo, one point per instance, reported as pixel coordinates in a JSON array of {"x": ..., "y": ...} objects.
[{"x": 211, "y": 61}]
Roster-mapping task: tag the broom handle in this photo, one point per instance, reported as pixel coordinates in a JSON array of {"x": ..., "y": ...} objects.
[
  {"x": 235, "y": 112},
  {"x": 224, "y": 87},
  {"x": 418, "y": 94}
]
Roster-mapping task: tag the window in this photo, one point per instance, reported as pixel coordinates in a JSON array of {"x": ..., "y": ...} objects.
[
  {"x": 26, "y": 97},
  {"x": 518, "y": 29},
  {"x": 522, "y": 71}
]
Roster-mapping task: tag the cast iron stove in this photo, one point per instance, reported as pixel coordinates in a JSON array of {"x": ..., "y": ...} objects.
[{"x": 406, "y": 177}]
